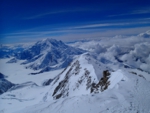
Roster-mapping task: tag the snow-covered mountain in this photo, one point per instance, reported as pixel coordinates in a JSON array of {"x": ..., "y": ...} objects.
[
  {"x": 106, "y": 76},
  {"x": 127, "y": 93},
  {"x": 86, "y": 85},
  {"x": 48, "y": 54},
  {"x": 80, "y": 77}
]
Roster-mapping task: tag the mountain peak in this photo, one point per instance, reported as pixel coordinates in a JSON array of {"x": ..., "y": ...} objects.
[
  {"x": 78, "y": 77},
  {"x": 48, "y": 54},
  {"x": 49, "y": 42}
]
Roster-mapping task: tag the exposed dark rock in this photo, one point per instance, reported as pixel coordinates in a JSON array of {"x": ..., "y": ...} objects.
[
  {"x": 63, "y": 85},
  {"x": 58, "y": 96},
  {"x": 134, "y": 73},
  {"x": 47, "y": 82},
  {"x": 102, "y": 84}
]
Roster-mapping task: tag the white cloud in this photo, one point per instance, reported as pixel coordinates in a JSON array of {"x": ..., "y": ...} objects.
[
  {"x": 134, "y": 50},
  {"x": 145, "y": 35},
  {"x": 139, "y": 57}
]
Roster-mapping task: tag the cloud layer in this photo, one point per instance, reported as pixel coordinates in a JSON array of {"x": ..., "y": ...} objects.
[{"x": 132, "y": 50}]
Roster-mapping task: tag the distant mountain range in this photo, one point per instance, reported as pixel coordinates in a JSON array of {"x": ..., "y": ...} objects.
[{"x": 46, "y": 55}]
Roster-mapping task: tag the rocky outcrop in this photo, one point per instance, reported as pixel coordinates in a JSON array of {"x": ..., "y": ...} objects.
[
  {"x": 102, "y": 84},
  {"x": 63, "y": 86},
  {"x": 83, "y": 76}
]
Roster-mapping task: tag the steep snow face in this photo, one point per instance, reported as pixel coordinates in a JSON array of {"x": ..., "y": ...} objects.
[
  {"x": 115, "y": 78},
  {"x": 48, "y": 54},
  {"x": 78, "y": 77}
]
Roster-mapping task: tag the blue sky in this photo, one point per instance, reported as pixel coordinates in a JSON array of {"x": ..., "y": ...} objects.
[{"x": 69, "y": 20}]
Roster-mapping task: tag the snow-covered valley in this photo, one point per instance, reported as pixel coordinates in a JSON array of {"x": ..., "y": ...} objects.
[{"x": 100, "y": 77}]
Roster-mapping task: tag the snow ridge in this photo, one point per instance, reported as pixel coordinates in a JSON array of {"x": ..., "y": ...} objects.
[{"x": 78, "y": 77}]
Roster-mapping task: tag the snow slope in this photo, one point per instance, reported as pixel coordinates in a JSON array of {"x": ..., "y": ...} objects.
[
  {"x": 127, "y": 94},
  {"x": 21, "y": 96},
  {"x": 28, "y": 89},
  {"x": 81, "y": 73}
]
